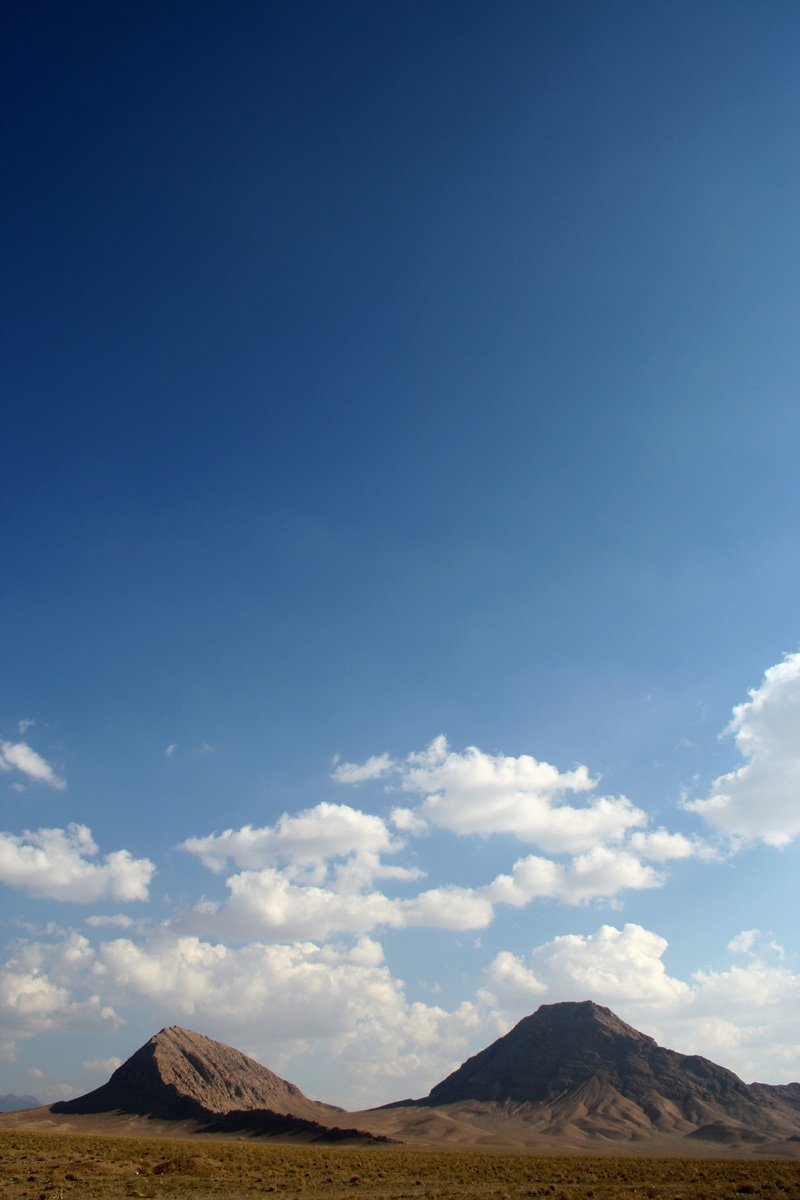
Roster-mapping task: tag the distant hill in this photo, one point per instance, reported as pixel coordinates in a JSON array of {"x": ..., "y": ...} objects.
[{"x": 12, "y": 1103}]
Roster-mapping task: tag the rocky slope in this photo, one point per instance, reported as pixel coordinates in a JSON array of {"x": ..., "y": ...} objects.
[
  {"x": 179, "y": 1074},
  {"x": 578, "y": 1067}
]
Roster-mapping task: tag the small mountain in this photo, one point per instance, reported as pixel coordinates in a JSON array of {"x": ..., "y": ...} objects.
[
  {"x": 13, "y": 1103},
  {"x": 183, "y": 1075},
  {"x": 578, "y": 1067}
]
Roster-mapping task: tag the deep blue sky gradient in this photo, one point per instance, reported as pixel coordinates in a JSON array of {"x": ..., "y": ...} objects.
[{"x": 375, "y": 370}]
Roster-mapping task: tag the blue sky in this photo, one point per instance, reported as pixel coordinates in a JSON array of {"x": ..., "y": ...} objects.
[{"x": 399, "y": 490}]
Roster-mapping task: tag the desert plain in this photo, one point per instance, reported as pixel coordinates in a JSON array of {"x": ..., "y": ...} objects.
[{"x": 56, "y": 1165}]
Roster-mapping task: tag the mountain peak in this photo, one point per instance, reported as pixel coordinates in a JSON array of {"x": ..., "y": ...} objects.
[
  {"x": 580, "y": 1017},
  {"x": 180, "y": 1074},
  {"x": 560, "y": 1047}
]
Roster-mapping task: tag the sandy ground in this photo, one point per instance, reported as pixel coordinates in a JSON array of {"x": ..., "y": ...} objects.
[{"x": 457, "y": 1127}]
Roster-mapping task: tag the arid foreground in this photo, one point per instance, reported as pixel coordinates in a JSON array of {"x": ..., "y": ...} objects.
[{"x": 55, "y": 1166}]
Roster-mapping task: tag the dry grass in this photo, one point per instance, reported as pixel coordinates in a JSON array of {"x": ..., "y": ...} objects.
[{"x": 53, "y": 1166}]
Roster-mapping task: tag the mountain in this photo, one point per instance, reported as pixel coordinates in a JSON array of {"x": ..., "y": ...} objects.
[
  {"x": 577, "y": 1068},
  {"x": 183, "y": 1076},
  {"x": 180, "y": 1074},
  {"x": 13, "y": 1103}
]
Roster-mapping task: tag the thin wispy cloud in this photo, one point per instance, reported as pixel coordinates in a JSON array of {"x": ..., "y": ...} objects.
[{"x": 22, "y": 758}]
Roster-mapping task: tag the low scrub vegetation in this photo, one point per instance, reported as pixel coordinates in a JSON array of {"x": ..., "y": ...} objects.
[{"x": 85, "y": 1167}]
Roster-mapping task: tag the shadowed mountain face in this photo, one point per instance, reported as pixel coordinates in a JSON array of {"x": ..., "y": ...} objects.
[
  {"x": 578, "y": 1062},
  {"x": 183, "y": 1075}
]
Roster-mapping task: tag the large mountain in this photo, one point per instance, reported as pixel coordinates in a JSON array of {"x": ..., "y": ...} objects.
[{"x": 576, "y": 1067}]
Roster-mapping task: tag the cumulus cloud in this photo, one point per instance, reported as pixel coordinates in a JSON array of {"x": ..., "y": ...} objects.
[
  {"x": 600, "y": 873},
  {"x": 34, "y": 1001},
  {"x": 472, "y": 792},
  {"x": 62, "y": 864},
  {"x": 314, "y": 873},
  {"x": 268, "y": 904},
  {"x": 19, "y": 756},
  {"x": 407, "y": 820},
  {"x": 304, "y": 843},
  {"x": 272, "y": 903},
  {"x": 616, "y": 964},
  {"x": 760, "y": 800},
  {"x": 339, "y": 1003}
]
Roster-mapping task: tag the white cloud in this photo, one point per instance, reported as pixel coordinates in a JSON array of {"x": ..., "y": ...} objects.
[
  {"x": 756, "y": 986},
  {"x": 33, "y": 1000},
  {"x": 455, "y": 908},
  {"x": 514, "y": 986},
  {"x": 761, "y": 799},
  {"x": 661, "y": 846},
  {"x": 600, "y": 873},
  {"x": 19, "y": 756},
  {"x": 340, "y": 1005},
  {"x": 61, "y": 864},
  {"x": 743, "y": 942},
  {"x": 313, "y": 875},
  {"x": 374, "y": 768},
  {"x": 305, "y": 841},
  {"x": 615, "y": 964},
  {"x": 477, "y": 793},
  {"x": 268, "y": 904},
  {"x": 409, "y": 821}
]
